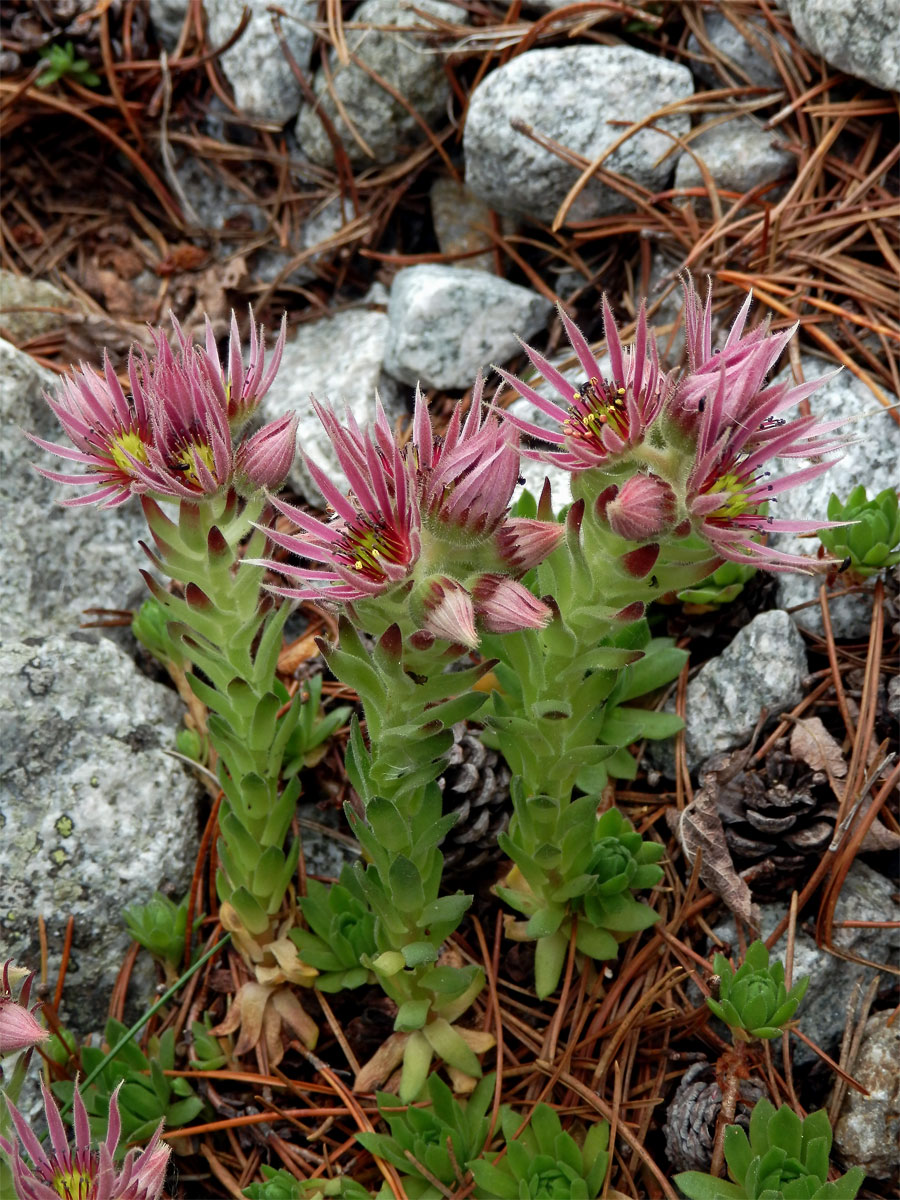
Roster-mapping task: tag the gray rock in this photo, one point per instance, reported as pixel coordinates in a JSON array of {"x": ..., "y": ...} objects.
[
  {"x": 323, "y": 832},
  {"x": 265, "y": 87},
  {"x": 871, "y": 460},
  {"x": 764, "y": 667},
  {"x": 408, "y": 59},
  {"x": 445, "y": 325},
  {"x": 167, "y": 18},
  {"x": 822, "y": 1015},
  {"x": 572, "y": 95},
  {"x": 857, "y": 36},
  {"x": 739, "y": 155},
  {"x": 210, "y": 198},
  {"x": 56, "y": 561},
  {"x": 336, "y": 359},
  {"x": 751, "y": 54},
  {"x": 455, "y": 214},
  {"x": 24, "y": 305},
  {"x": 867, "y": 1133},
  {"x": 95, "y": 815}
]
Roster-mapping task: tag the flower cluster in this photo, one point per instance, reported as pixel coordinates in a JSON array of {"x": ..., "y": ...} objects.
[
  {"x": 175, "y": 433},
  {"x": 425, "y": 523},
  {"x": 683, "y": 455}
]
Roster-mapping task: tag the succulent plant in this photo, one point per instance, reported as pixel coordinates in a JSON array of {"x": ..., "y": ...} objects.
[
  {"x": 542, "y": 1162},
  {"x": 593, "y": 878},
  {"x": 626, "y": 722},
  {"x": 61, "y": 62},
  {"x": 753, "y": 1001},
  {"x": 783, "y": 1158},
  {"x": 147, "y": 1095},
  {"x": 873, "y": 542},
  {"x": 341, "y": 933},
  {"x": 160, "y": 926},
  {"x": 442, "y": 1138},
  {"x": 724, "y": 585},
  {"x": 208, "y": 1052},
  {"x": 282, "y": 1185}
]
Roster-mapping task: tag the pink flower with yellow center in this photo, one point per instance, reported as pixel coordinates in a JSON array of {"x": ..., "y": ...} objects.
[
  {"x": 85, "y": 1172},
  {"x": 601, "y": 418},
  {"x": 431, "y": 515},
  {"x": 372, "y": 542},
  {"x": 109, "y": 431}
]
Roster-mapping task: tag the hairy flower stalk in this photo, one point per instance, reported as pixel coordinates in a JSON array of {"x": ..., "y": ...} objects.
[
  {"x": 174, "y": 440},
  {"x": 421, "y": 553},
  {"x": 669, "y": 476}
]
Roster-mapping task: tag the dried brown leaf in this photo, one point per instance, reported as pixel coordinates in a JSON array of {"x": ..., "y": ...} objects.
[
  {"x": 813, "y": 744},
  {"x": 699, "y": 830}
]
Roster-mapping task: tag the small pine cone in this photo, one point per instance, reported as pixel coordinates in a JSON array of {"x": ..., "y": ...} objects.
[
  {"x": 475, "y": 784},
  {"x": 39, "y": 23},
  {"x": 693, "y": 1112},
  {"x": 781, "y": 814}
]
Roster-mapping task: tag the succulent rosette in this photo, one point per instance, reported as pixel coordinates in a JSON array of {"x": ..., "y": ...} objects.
[
  {"x": 753, "y": 1000},
  {"x": 423, "y": 536},
  {"x": 783, "y": 1158}
]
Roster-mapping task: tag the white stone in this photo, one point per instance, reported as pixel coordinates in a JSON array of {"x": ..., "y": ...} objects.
[
  {"x": 409, "y": 59},
  {"x": 95, "y": 814},
  {"x": 265, "y": 87},
  {"x": 872, "y": 459},
  {"x": 764, "y": 667},
  {"x": 575, "y": 95},
  {"x": 739, "y": 155},
  {"x": 446, "y": 325},
  {"x": 867, "y": 1132},
  {"x": 26, "y": 304},
  {"x": 861, "y": 37},
  {"x": 337, "y": 360},
  {"x": 751, "y": 54}
]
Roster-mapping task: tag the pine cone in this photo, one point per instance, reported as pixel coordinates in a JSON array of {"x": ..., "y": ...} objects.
[
  {"x": 782, "y": 812},
  {"x": 475, "y": 784},
  {"x": 26, "y": 28},
  {"x": 692, "y": 1115}
]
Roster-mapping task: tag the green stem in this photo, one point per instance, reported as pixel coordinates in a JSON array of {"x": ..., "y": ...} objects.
[{"x": 233, "y": 641}]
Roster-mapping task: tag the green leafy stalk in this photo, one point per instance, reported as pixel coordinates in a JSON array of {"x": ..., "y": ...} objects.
[
  {"x": 409, "y": 716},
  {"x": 233, "y": 642},
  {"x": 563, "y": 721}
]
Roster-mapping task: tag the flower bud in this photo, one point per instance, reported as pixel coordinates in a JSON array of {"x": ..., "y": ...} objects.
[
  {"x": 263, "y": 460},
  {"x": 524, "y": 542},
  {"x": 643, "y": 509},
  {"x": 449, "y": 612},
  {"x": 504, "y": 606},
  {"x": 19, "y": 1029}
]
